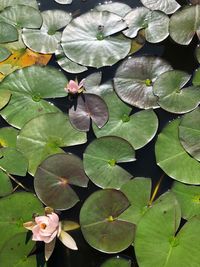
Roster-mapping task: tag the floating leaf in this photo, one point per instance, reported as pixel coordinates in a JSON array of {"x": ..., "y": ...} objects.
[
  {"x": 15, "y": 214},
  {"x": 121, "y": 123},
  {"x": 118, "y": 8},
  {"x": 53, "y": 180},
  {"x": 46, "y": 39},
  {"x": 64, "y": 2},
  {"x": 184, "y": 24},
  {"x": 138, "y": 42},
  {"x": 5, "y": 184},
  {"x": 167, "y": 6},
  {"x": 13, "y": 161},
  {"x": 100, "y": 224},
  {"x": 196, "y": 78},
  {"x": 66, "y": 64},
  {"x": 21, "y": 16},
  {"x": 170, "y": 95},
  {"x": 157, "y": 242},
  {"x": 154, "y": 23},
  {"x": 189, "y": 133},
  {"x": 88, "y": 39},
  {"x": 29, "y": 87},
  {"x": 101, "y": 158},
  {"x": 138, "y": 192},
  {"x": 188, "y": 197},
  {"x": 117, "y": 262},
  {"x": 38, "y": 135},
  {"x": 134, "y": 80},
  {"x": 6, "y": 3},
  {"x": 8, "y": 33},
  {"x": 169, "y": 151},
  {"x": 4, "y": 98},
  {"x": 4, "y": 52},
  {"x": 8, "y": 137},
  {"x": 89, "y": 106}
]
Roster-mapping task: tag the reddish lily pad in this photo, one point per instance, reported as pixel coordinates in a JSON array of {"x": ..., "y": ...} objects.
[
  {"x": 88, "y": 106},
  {"x": 54, "y": 177},
  {"x": 100, "y": 224}
]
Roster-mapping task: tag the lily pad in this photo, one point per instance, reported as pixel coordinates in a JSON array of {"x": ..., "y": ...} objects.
[
  {"x": 118, "y": 8},
  {"x": 54, "y": 177},
  {"x": 88, "y": 106},
  {"x": 46, "y": 39},
  {"x": 157, "y": 242},
  {"x": 100, "y": 161},
  {"x": 134, "y": 80},
  {"x": 66, "y": 64},
  {"x": 4, "y": 98},
  {"x": 16, "y": 213},
  {"x": 5, "y": 184},
  {"x": 196, "y": 78},
  {"x": 39, "y": 136},
  {"x": 169, "y": 151},
  {"x": 8, "y": 33},
  {"x": 6, "y": 3},
  {"x": 13, "y": 161},
  {"x": 188, "y": 197},
  {"x": 138, "y": 42},
  {"x": 64, "y": 2},
  {"x": 8, "y": 137},
  {"x": 21, "y": 16},
  {"x": 170, "y": 95},
  {"x": 29, "y": 87},
  {"x": 138, "y": 192},
  {"x": 143, "y": 125},
  {"x": 167, "y": 6},
  {"x": 88, "y": 40},
  {"x": 117, "y": 262},
  {"x": 184, "y": 24},
  {"x": 4, "y": 53},
  {"x": 189, "y": 133},
  {"x": 154, "y": 23},
  {"x": 100, "y": 224}
]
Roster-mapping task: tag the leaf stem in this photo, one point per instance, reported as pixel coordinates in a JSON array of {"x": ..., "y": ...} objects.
[{"x": 156, "y": 189}]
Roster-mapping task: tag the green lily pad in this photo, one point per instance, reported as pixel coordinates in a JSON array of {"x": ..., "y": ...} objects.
[
  {"x": 189, "y": 133},
  {"x": 16, "y": 213},
  {"x": 5, "y": 184},
  {"x": 169, "y": 151},
  {"x": 54, "y": 177},
  {"x": 5, "y": 96},
  {"x": 32, "y": 261},
  {"x": 167, "y": 6},
  {"x": 100, "y": 224},
  {"x": 117, "y": 262},
  {"x": 154, "y": 23},
  {"x": 29, "y": 87},
  {"x": 66, "y": 64},
  {"x": 196, "y": 78},
  {"x": 4, "y": 53},
  {"x": 8, "y": 137},
  {"x": 100, "y": 161},
  {"x": 188, "y": 197},
  {"x": 143, "y": 125},
  {"x": 39, "y": 136},
  {"x": 118, "y": 8},
  {"x": 46, "y": 39},
  {"x": 138, "y": 192},
  {"x": 8, "y": 33},
  {"x": 198, "y": 53},
  {"x": 13, "y": 161},
  {"x": 88, "y": 106},
  {"x": 88, "y": 40},
  {"x": 157, "y": 242},
  {"x": 6, "y": 3},
  {"x": 170, "y": 95},
  {"x": 184, "y": 24},
  {"x": 134, "y": 80},
  {"x": 21, "y": 16},
  {"x": 64, "y": 2}
]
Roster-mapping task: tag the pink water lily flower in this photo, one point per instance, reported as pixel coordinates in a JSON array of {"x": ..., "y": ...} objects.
[
  {"x": 46, "y": 228},
  {"x": 74, "y": 87}
]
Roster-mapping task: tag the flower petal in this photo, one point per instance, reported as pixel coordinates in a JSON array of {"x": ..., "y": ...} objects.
[
  {"x": 67, "y": 240},
  {"x": 49, "y": 248},
  {"x": 29, "y": 225}
]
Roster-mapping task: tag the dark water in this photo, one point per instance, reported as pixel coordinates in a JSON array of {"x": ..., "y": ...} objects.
[{"x": 180, "y": 57}]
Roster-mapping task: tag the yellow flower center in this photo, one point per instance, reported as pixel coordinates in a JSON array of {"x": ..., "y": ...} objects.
[{"x": 43, "y": 226}]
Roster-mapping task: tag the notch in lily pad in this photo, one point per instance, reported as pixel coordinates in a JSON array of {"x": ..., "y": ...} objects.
[{"x": 54, "y": 178}]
